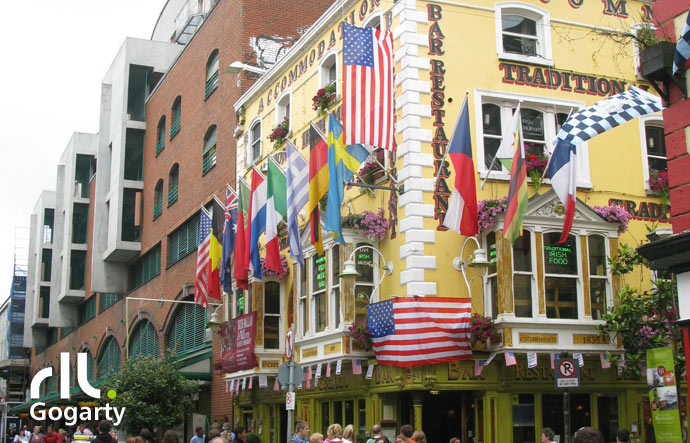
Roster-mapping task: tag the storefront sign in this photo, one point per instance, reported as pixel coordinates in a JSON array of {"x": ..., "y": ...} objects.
[
  {"x": 237, "y": 347},
  {"x": 567, "y": 373},
  {"x": 558, "y": 255},
  {"x": 549, "y": 339},
  {"x": 663, "y": 396},
  {"x": 319, "y": 273},
  {"x": 545, "y": 373},
  {"x": 647, "y": 211},
  {"x": 310, "y": 352},
  {"x": 270, "y": 364},
  {"x": 333, "y": 348},
  {"x": 462, "y": 371},
  {"x": 590, "y": 339}
]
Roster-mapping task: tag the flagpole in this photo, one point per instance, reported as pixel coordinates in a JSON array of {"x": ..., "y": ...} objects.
[{"x": 467, "y": 93}]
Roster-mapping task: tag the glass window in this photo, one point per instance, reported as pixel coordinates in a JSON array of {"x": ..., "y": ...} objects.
[
  {"x": 239, "y": 302},
  {"x": 561, "y": 276},
  {"x": 325, "y": 417},
  {"x": 283, "y": 109},
  {"x": 598, "y": 278},
  {"x": 318, "y": 286},
  {"x": 271, "y": 315},
  {"x": 158, "y": 199},
  {"x": 211, "y": 73},
  {"x": 329, "y": 70},
  {"x": 607, "y": 411},
  {"x": 160, "y": 140},
  {"x": 364, "y": 286},
  {"x": 176, "y": 117},
  {"x": 492, "y": 275},
  {"x": 522, "y": 275},
  {"x": 255, "y": 135},
  {"x": 303, "y": 313},
  {"x": 335, "y": 283},
  {"x": 209, "y": 155},
  {"x": 533, "y": 131},
  {"x": 492, "y": 134},
  {"x": 523, "y": 418},
  {"x": 173, "y": 183},
  {"x": 519, "y": 34},
  {"x": 656, "y": 147}
]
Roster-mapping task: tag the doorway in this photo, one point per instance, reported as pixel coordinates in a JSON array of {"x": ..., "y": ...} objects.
[{"x": 449, "y": 414}]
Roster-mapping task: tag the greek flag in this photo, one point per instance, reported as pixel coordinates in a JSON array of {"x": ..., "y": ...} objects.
[
  {"x": 297, "y": 183},
  {"x": 607, "y": 114}
]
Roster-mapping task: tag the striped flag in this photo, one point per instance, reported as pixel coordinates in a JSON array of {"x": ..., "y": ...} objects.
[
  {"x": 328, "y": 369},
  {"x": 552, "y": 356},
  {"x": 517, "y": 193},
  {"x": 478, "y": 367},
  {"x": 356, "y": 367},
  {"x": 276, "y": 209},
  {"x": 203, "y": 260},
  {"x": 417, "y": 331},
  {"x": 368, "y": 86},
  {"x": 532, "y": 360},
  {"x": 561, "y": 171},
  {"x": 682, "y": 55},
  {"x": 229, "y": 233},
  {"x": 297, "y": 185},
  {"x": 461, "y": 215},
  {"x": 318, "y": 183},
  {"x": 605, "y": 361},
  {"x": 510, "y": 359},
  {"x": 216, "y": 250},
  {"x": 578, "y": 356},
  {"x": 257, "y": 222},
  {"x": 242, "y": 237}
]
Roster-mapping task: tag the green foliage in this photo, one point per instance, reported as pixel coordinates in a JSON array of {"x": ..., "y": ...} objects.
[
  {"x": 253, "y": 438},
  {"x": 646, "y": 36},
  {"x": 642, "y": 320},
  {"x": 154, "y": 393},
  {"x": 361, "y": 438}
]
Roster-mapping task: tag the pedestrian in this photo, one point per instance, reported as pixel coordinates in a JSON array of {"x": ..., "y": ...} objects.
[
  {"x": 227, "y": 433},
  {"x": 170, "y": 436},
  {"x": 21, "y": 437},
  {"x": 135, "y": 440},
  {"x": 146, "y": 435},
  {"x": 622, "y": 436},
  {"x": 334, "y": 433},
  {"x": 382, "y": 439},
  {"x": 418, "y": 436},
  {"x": 37, "y": 436},
  {"x": 104, "y": 428},
  {"x": 51, "y": 437},
  {"x": 301, "y": 433},
  {"x": 547, "y": 435},
  {"x": 349, "y": 434},
  {"x": 406, "y": 432},
  {"x": 588, "y": 435},
  {"x": 240, "y": 435},
  {"x": 199, "y": 437},
  {"x": 375, "y": 433},
  {"x": 454, "y": 440},
  {"x": 64, "y": 436},
  {"x": 400, "y": 439},
  {"x": 316, "y": 438}
]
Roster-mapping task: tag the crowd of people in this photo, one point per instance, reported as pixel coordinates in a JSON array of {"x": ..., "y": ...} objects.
[
  {"x": 585, "y": 435},
  {"x": 336, "y": 434}
]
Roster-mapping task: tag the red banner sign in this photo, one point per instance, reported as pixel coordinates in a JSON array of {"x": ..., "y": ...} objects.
[{"x": 237, "y": 348}]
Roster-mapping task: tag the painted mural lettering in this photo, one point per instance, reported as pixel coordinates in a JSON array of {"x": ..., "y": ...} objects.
[
  {"x": 647, "y": 211},
  {"x": 575, "y": 3},
  {"x": 647, "y": 13},
  {"x": 538, "y": 77},
  {"x": 439, "y": 142},
  {"x": 617, "y": 8}
]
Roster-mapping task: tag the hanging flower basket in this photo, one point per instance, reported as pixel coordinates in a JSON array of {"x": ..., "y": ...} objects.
[
  {"x": 280, "y": 132},
  {"x": 270, "y": 273},
  {"x": 535, "y": 162},
  {"x": 614, "y": 214},
  {"x": 359, "y": 331},
  {"x": 323, "y": 98},
  {"x": 372, "y": 224},
  {"x": 658, "y": 184},
  {"x": 483, "y": 329},
  {"x": 488, "y": 209}
]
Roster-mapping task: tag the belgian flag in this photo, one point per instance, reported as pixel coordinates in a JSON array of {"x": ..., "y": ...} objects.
[
  {"x": 318, "y": 183},
  {"x": 216, "y": 250}
]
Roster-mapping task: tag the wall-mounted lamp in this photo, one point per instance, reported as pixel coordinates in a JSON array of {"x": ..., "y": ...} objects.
[
  {"x": 476, "y": 260},
  {"x": 216, "y": 320},
  {"x": 237, "y": 67},
  {"x": 350, "y": 274}
]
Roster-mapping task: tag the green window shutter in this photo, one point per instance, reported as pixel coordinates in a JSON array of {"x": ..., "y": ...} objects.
[
  {"x": 160, "y": 144},
  {"x": 144, "y": 341},
  {"x": 188, "y": 328},
  {"x": 110, "y": 358},
  {"x": 177, "y": 114}
]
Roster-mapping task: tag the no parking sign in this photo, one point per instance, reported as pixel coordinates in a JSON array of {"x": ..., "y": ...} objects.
[{"x": 567, "y": 373}]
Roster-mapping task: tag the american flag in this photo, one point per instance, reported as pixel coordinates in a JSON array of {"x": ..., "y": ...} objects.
[
  {"x": 510, "y": 359},
  {"x": 416, "y": 331},
  {"x": 368, "y": 86},
  {"x": 605, "y": 361},
  {"x": 203, "y": 261},
  {"x": 356, "y": 367}
]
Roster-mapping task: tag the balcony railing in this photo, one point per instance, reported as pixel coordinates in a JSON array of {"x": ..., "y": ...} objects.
[
  {"x": 175, "y": 128},
  {"x": 211, "y": 84},
  {"x": 172, "y": 196},
  {"x": 157, "y": 210}
]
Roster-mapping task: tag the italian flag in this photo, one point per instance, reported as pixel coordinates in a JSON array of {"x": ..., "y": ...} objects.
[{"x": 276, "y": 209}]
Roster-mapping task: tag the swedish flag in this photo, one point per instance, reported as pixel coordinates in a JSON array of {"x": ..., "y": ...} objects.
[{"x": 343, "y": 163}]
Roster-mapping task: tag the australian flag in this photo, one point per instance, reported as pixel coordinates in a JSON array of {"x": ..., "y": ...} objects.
[{"x": 229, "y": 231}]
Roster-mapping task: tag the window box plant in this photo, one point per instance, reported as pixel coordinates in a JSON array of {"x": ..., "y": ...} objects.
[
  {"x": 614, "y": 214},
  {"x": 323, "y": 98},
  {"x": 535, "y": 162},
  {"x": 372, "y": 224},
  {"x": 658, "y": 184},
  {"x": 656, "y": 61},
  {"x": 483, "y": 329},
  {"x": 271, "y": 274},
  {"x": 488, "y": 209},
  {"x": 359, "y": 331},
  {"x": 280, "y": 132}
]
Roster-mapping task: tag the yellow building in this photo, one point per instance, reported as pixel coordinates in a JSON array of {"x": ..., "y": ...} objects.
[{"x": 552, "y": 58}]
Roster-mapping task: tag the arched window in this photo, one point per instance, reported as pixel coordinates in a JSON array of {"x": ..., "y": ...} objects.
[
  {"x": 523, "y": 33},
  {"x": 283, "y": 108},
  {"x": 255, "y": 134},
  {"x": 209, "y": 158},
  {"x": 110, "y": 357},
  {"x": 144, "y": 341},
  {"x": 158, "y": 199},
  {"x": 160, "y": 140},
  {"x": 211, "y": 73},
  {"x": 173, "y": 181},
  {"x": 328, "y": 71},
  {"x": 176, "y": 116},
  {"x": 50, "y": 383},
  {"x": 373, "y": 22},
  {"x": 90, "y": 372},
  {"x": 187, "y": 328}
]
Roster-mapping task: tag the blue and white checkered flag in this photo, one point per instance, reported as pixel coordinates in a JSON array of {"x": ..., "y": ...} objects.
[{"x": 607, "y": 114}]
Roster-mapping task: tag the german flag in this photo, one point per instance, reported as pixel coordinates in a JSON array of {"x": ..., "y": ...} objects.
[
  {"x": 216, "y": 250},
  {"x": 318, "y": 183},
  {"x": 517, "y": 194}
]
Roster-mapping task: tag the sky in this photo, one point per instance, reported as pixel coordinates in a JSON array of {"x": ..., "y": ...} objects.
[{"x": 54, "y": 58}]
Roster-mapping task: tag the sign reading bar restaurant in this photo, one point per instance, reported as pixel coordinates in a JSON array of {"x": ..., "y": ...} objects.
[{"x": 237, "y": 347}]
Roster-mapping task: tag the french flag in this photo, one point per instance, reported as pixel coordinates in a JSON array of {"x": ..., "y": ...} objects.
[
  {"x": 461, "y": 215},
  {"x": 257, "y": 211},
  {"x": 561, "y": 171}
]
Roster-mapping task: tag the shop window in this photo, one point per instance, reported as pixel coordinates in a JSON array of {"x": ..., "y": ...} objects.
[
  {"x": 364, "y": 286},
  {"x": 598, "y": 276},
  {"x": 335, "y": 283},
  {"x": 343, "y": 411},
  {"x": 176, "y": 117},
  {"x": 158, "y": 199},
  {"x": 209, "y": 155},
  {"x": 540, "y": 120},
  {"x": 271, "y": 315},
  {"x": 255, "y": 142},
  {"x": 523, "y": 33},
  {"x": 160, "y": 138},
  {"x": 607, "y": 412},
  {"x": 561, "y": 276},
  {"x": 492, "y": 275},
  {"x": 173, "y": 183},
  {"x": 523, "y": 275},
  {"x": 211, "y": 73},
  {"x": 523, "y": 418},
  {"x": 328, "y": 71}
]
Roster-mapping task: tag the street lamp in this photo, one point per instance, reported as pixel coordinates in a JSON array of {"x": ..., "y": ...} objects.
[
  {"x": 237, "y": 67},
  {"x": 350, "y": 274},
  {"x": 216, "y": 320},
  {"x": 477, "y": 260}
]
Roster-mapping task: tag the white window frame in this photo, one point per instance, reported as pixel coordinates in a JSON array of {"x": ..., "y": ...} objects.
[
  {"x": 488, "y": 303},
  {"x": 284, "y": 108},
  {"x": 281, "y": 297},
  {"x": 250, "y": 146},
  {"x": 303, "y": 328},
  {"x": 377, "y": 17},
  {"x": 653, "y": 120},
  {"x": 329, "y": 59},
  {"x": 579, "y": 289},
  {"x": 550, "y": 107},
  {"x": 335, "y": 284},
  {"x": 532, "y": 274},
  {"x": 606, "y": 277},
  {"x": 542, "y": 18}
]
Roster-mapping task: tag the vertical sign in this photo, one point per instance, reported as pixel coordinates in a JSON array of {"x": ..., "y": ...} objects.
[{"x": 663, "y": 396}]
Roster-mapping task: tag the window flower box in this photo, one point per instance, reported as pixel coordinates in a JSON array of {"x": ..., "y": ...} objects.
[{"x": 324, "y": 98}]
